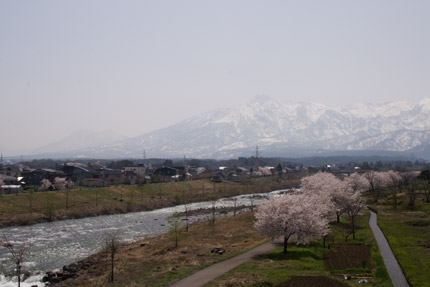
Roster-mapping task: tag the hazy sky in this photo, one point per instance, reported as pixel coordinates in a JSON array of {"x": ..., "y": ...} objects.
[{"x": 135, "y": 66}]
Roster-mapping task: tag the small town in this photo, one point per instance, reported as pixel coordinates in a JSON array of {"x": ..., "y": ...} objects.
[{"x": 214, "y": 143}]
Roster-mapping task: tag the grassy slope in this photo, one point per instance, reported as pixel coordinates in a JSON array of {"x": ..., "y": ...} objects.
[
  {"x": 278, "y": 267},
  {"x": 409, "y": 235}
]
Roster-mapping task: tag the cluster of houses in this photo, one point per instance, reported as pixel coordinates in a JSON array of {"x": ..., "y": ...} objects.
[{"x": 16, "y": 178}]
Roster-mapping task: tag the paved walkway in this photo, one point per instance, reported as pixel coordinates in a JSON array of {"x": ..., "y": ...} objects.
[
  {"x": 390, "y": 261},
  {"x": 205, "y": 275}
]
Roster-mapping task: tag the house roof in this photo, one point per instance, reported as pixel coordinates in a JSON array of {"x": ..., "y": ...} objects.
[{"x": 7, "y": 177}]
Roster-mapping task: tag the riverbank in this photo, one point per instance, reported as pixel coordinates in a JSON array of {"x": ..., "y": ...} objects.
[
  {"x": 156, "y": 261},
  {"x": 80, "y": 202}
]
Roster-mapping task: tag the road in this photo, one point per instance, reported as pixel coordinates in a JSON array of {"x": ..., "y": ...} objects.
[
  {"x": 205, "y": 275},
  {"x": 396, "y": 274}
]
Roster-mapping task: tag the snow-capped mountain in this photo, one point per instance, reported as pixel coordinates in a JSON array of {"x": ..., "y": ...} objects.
[{"x": 289, "y": 130}]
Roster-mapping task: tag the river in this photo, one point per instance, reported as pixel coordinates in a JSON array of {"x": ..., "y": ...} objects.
[{"x": 55, "y": 244}]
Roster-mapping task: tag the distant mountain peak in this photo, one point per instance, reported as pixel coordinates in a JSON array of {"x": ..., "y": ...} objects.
[{"x": 284, "y": 130}]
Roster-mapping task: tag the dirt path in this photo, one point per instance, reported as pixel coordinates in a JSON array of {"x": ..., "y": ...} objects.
[
  {"x": 205, "y": 275},
  {"x": 390, "y": 261}
]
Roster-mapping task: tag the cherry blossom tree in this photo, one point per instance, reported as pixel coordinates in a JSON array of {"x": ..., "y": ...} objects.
[
  {"x": 410, "y": 182},
  {"x": 357, "y": 182},
  {"x": 45, "y": 185},
  {"x": 394, "y": 179},
  {"x": 329, "y": 189},
  {"x": 353, "y": 205},
  {"x": 295, "y": 216},
  {"x": 377, "y": 181},
  {"x": 425, "y": 176},
  {"x": 60, "y": 183}
]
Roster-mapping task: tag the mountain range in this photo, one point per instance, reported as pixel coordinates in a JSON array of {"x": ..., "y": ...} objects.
[{"x": 278, "y": 129}]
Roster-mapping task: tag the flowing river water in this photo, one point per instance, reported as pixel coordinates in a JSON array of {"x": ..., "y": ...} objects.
[{"x": 55, "y": 244}]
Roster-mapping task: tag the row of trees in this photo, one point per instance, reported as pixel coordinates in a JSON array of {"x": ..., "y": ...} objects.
[
  {"x": 392, "y": 183},
  {"x": 305, "y": 214},
  {"x": 59, "y": 183}
]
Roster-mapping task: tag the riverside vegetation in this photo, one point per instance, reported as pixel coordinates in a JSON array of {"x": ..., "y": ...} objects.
[
  {"x": 405, "y": 226},
  {"x": 34, "y": 207},
  {"x": 157, "y": 262}
]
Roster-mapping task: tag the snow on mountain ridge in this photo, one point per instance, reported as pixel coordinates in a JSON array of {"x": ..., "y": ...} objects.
[{"x": 396, "y": 126}]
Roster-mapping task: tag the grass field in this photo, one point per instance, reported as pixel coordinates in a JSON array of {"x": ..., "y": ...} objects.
[
  {"x": 159, "y": 262},
  {"x": 408, "y": 232},
  {"x": 33, "y": 207},
  {"x": 309, "y": 261}
]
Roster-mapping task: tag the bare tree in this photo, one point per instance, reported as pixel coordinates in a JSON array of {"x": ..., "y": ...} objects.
[
  {"x": 175, "y": 227},
  {"x": 17, "y": 252},
  {"x": 111, "y": 248},
  {"x": 69, "y": 185},
  {"x": 251, "y": 199},
  {"x": 234, "y": 205}
]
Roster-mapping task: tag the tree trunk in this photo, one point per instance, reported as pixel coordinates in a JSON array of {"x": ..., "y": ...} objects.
[
  {"x": 112, "y": 265},
  {"x": 285, "y": 244}
]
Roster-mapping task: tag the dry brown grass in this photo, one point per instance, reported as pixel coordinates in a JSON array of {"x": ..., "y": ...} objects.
[
  {"x": 85, "y": 202},
  {"x": 158, "y": 262}
]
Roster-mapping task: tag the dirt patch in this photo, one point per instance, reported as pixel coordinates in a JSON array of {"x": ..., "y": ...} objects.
[
  {"x": 419, "y": 223},
  {"x": 312, "y": 281},
  {"x": 425, "y": 244},
  {"x": 344, "y": 256}
]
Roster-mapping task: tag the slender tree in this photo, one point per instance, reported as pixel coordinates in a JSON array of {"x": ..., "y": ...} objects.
[
  {"x": 353, "y": 205},
  {"x": 111, "y": 248},
  {"x": 17, "y": 253},
  {"x": 175, "y": 227}
]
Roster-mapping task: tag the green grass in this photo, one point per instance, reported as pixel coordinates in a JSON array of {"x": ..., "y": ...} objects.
[
  {"x": 276, "y": 267},
  {"x": 409, "y": 239}
]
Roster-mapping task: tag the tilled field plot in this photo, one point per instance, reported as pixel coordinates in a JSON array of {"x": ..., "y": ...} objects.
[
  {"x": 344, "y": 256},
  {"x": 312, "y": 281}
]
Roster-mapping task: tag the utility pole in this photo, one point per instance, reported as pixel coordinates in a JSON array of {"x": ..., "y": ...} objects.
[{"x": 256, "y": 157}]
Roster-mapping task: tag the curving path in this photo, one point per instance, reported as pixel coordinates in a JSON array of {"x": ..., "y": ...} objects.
[
  {"x": 396, "y": 274},
  {"x": 205, "y": 275}
]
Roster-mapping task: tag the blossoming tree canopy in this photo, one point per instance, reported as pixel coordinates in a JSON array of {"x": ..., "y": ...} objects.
[{"x": 295, "y": 216}]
